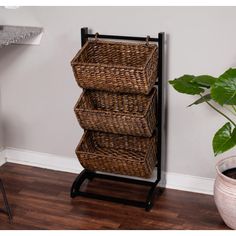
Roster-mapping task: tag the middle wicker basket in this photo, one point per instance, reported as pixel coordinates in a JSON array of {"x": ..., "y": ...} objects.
[{"x": 129, "y": 114}]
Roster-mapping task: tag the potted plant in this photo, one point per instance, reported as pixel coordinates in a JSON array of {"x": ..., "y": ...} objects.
[{"x": 221, "y": 91}]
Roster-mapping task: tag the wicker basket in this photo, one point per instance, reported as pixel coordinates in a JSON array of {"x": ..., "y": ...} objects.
[
  {"x": 130, "y": 114},
  {"x": 116, "y": 66},
  {"x": 120, "y": 154}
]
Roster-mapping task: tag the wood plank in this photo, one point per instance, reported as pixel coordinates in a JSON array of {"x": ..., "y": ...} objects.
[{"x": 40, "y": 199}]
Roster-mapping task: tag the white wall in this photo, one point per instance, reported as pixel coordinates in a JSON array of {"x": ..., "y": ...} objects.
[{"x": 39, "y": 91}]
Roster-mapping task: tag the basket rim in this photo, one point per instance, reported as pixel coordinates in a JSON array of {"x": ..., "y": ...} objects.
[
  {"x": 74, "y": 63},
  {"x": 87, "y": 132},
  {"x": 152, "y": 97}
]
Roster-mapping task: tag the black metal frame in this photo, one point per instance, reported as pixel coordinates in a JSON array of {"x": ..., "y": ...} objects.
[
  {"x": 7, "y": 209},
  {"x": 86, "y": 174}
]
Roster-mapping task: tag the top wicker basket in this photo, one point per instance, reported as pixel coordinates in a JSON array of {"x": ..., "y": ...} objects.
[{"x": 116, "y": 66}]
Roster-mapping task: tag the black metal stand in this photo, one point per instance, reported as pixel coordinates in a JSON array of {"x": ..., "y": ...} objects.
[
  {"x": 85, "y": 174},
  {"x": 7, "y": 209}
]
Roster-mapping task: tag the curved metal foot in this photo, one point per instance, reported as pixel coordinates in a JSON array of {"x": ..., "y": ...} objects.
[
  {"x": 150, "y": 197},
  {"x": 85, "y": 174},
  {"x": 77, "y": 183},
  {"x": 149, "y": 206}
]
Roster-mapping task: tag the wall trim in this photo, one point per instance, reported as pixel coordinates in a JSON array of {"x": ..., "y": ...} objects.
[
  {"x": 190, "y": 183},
  {"x": 70, "y": 164},
  {"x": 43, "y": 160},
  {"x": 2, "y": 157}
]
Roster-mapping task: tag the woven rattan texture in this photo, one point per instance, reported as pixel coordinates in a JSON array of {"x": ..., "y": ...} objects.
[
  {"x": 129, "y": 114},
  {"x": 116, "y": 66},
  {"x": 120, "y": 154}
]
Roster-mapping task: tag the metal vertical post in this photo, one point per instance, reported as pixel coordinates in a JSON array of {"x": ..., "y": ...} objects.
[
  {"x": 84, "y": 33},
  {"x": 160, "y": 104}
]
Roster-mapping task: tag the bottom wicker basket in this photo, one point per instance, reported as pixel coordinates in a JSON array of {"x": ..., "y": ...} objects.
[{"x": 118, "y": 154}]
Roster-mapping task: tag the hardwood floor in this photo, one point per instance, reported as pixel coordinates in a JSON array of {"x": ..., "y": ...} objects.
[{"x": 40, "y": 200}]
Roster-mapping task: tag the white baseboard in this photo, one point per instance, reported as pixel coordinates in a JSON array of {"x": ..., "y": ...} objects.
[
  {"x": 43, "y": 160},
  {"x": 190, "y": 183},
  {"x": 70, "y": 164},
  {"x": 2, "y": 157}
]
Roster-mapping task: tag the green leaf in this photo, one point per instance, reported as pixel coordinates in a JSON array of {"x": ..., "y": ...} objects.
[
  {"x": 204, "y": 80},
  {"x": 223, "y": 90},
  {"x": 184, "y": 84},
  {"x": 204, "y": 98},
  {"x": 224, "y": 139}
]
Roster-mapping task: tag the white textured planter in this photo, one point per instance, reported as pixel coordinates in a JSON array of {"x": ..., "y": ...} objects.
[{"x": 225, "y": 192}]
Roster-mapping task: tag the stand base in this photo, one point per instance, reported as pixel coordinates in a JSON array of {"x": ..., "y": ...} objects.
[
  {"x": 7, "y": 209},
  {"x": 85, "y": 174}
]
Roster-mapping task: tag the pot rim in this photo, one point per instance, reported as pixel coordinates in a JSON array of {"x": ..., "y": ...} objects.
[{"x": 220, "y": 173}]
